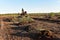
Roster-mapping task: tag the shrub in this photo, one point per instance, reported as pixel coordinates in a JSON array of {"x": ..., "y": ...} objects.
[
  {"x": 52, "y": 14},
  {"x": 25, "y": 19}
]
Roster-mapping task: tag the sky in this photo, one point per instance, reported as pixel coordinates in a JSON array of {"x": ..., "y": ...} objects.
[{"x": 31, "y": 6}]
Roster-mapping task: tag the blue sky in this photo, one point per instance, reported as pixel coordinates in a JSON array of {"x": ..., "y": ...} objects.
[{"x": 12, "y": 6}]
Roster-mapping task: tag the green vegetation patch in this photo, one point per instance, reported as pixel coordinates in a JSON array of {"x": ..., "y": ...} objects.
[{"x": 23, "y": 19}]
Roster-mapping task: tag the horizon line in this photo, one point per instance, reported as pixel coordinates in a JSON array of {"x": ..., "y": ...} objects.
[{"x": 28, "y": 12}]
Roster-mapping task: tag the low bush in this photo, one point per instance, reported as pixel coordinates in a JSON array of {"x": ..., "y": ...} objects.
[
  {"x": 25, "y": 19},
  {"x": 52, "y": 14}
]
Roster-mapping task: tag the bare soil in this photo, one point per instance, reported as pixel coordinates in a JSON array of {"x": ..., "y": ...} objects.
[{"x": 10, "y": 31}]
